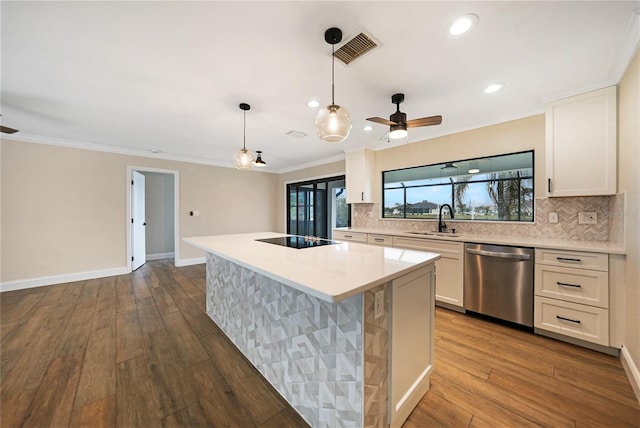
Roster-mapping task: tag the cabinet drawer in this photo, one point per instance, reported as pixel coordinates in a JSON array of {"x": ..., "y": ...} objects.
[
  {"x": 570, "y": 319},
  {"x": 433, "y": 245},
  {"x": 576, "y": 259},
  {"x": 343, "y": 235},
  {"x": 385, "y": 240},
  {"x": 583, "y": 286}
]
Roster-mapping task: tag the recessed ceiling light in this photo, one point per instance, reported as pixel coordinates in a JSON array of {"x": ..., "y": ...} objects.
[
  {"x": 494, "y": 87},
  {"x": 367, "y": 128},
  {"x": 463, "y": 24},
  {"x": 474, "y": 171},
  {"x": 313, "y": 103}
]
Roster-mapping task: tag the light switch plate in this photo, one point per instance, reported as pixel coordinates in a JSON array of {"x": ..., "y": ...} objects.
[
  {"x": 553, "y": 217},
  {"x": 588, "y": 217}
]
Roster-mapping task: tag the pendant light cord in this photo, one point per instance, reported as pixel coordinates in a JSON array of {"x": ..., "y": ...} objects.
[
  {"x": 244, "y": 130},
  {"x": 333, "y": 62}
]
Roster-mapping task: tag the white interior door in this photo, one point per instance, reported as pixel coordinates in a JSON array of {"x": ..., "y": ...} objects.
[{"x": 138, "y": 222}]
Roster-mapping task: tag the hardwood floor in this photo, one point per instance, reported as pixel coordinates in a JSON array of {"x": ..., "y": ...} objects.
[{"x": 139, "y": 350}]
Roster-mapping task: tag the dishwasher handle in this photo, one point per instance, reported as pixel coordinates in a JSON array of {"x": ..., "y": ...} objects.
[{"x": 499, "y": 254}]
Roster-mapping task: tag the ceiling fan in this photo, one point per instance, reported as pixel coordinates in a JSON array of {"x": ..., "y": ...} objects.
[
  {"x": 7, "y": 130},
  {"x": 398, "y": 121}
]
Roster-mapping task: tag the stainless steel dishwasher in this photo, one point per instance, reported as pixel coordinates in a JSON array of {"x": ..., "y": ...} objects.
[{"x": 498, "y": 281}]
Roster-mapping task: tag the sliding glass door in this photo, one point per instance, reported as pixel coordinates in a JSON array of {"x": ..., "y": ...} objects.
[{"x": 316, "y": 207}]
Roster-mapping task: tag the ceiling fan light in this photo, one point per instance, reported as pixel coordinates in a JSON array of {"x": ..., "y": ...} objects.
[
  {"x": 333, "y": 124},
  {"x": 397, "y": 131}
]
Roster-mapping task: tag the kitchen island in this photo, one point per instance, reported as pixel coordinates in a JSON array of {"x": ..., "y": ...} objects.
[{"x": 306, "y": 319}]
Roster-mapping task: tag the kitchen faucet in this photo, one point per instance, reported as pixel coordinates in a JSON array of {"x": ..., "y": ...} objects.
[{"x": 442, "y": 226}]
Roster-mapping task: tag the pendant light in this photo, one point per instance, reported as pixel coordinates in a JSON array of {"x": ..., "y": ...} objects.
[
  {"x": 259, "y": 163},
  {"x": 244, "y": 159},
  {"x": 333, "y": 122}
]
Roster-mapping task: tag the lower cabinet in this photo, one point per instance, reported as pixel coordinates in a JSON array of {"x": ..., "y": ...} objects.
[
  {"x": 343, "y": 235},
  {"x": 572, "y": 295},
  {"x": 449, "y": 269}
]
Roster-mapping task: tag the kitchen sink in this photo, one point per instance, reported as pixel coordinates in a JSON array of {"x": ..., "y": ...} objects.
[{"x": 435, "y": 233}]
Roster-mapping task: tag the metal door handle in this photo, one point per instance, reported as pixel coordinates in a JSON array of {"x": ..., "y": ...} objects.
[
  {"x": 567, "y": 319},
  {"x": 564, "y": 284},
  {"x": 499, "y": 254},
  {"x": 378, "y": 239},
  {"x": 568, "y": 260}
]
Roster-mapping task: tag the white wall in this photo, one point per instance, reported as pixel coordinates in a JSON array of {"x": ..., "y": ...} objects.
[
  {"x": 64, "y": 210},
  {"x": 629, "y": 182}
]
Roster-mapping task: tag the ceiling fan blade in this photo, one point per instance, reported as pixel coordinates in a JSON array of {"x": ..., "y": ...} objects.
[
  {"x": 381, "y": 121},
  {"x": 7, "y": 130},
  {"x": 424, "y": 121}
]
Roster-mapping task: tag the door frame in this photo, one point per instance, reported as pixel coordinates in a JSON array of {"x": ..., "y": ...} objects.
[
  {"x": 176, "y": 210},
  {"x": 303, "y": 180}
]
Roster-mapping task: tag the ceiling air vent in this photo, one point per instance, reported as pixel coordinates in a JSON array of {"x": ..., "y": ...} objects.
[{"x": 355, "y": 48}]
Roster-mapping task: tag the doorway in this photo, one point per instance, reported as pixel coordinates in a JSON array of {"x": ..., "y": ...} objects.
[
  {"x": 152, "y": 215},
  {"x": 316, "y": 207}
]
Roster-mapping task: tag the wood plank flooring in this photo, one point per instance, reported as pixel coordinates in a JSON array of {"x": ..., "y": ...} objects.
[{"x": 138, "y": 350}]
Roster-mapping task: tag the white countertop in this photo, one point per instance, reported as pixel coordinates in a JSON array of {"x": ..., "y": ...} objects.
[
  {"x": 329, "y": 272},
  {"x": 520, "y": 241}
]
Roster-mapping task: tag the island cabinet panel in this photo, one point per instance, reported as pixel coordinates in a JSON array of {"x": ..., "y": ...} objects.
[{"x": 411, "y": 342}]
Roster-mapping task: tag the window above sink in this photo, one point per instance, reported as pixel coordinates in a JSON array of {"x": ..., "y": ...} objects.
[{"x": 494, "y": 188}]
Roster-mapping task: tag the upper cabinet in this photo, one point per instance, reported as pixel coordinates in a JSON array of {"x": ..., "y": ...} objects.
[
  {"x": 581, "y": 140},
  {"x": 360, "y": 172}
]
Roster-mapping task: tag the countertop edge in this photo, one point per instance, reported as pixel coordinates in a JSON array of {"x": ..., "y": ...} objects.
[
  {"x": 331, "y": 298},
  {"x": 556, "y": 244}
]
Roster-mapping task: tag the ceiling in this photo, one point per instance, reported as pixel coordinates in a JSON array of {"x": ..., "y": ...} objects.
[{"x": 138, "y": 77}]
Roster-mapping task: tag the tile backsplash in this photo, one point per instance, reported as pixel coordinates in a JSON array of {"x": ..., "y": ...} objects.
[{"x": 609, "y": 226}]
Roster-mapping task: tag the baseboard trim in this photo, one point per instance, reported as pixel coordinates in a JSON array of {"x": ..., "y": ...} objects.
[
  {"x": 632, "y": 371},
  {"x": 189, "y": 262},
  {"x": 60, "y": 279},
  {"x": 159, "y": 256}
]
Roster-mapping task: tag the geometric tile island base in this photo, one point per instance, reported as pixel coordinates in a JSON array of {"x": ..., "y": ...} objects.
[{"x": 331, "y": 361}]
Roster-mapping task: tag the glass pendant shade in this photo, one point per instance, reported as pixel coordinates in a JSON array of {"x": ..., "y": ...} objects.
[
  {"x": 243, "y": 159},
  {"x": 333, "y": 124}
]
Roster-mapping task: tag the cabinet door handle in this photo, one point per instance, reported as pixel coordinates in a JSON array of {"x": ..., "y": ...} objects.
[
  {"x": 567, "y": 319},
  {"x": 378, "y": 239},
  {"x": 348, "y": 236},
  {"x": 549, "y": 185},
  {"x": 564, "y": 284},
  {"x": 568, "y": 260},
  {"x": 362, "y": 196}
]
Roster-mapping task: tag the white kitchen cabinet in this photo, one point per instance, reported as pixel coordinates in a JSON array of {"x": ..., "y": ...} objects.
[
  {"x": 449, "y": 269},
  {"x": 345, "y": 235},
  {"x": 581, "y": 138},
  {"x": 384, "y": 240},
  {"x": 360, "y": 176},
  {"x": 572, "y": 295}
]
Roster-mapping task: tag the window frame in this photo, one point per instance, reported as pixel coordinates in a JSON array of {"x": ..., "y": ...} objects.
[{"x": 452, "y": 183}]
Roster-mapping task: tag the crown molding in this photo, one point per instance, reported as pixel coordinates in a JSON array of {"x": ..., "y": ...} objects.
[{"x": 72, "y": 144}]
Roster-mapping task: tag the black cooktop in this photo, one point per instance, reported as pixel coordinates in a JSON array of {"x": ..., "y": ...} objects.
[{"x": 295, "y": 241}]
